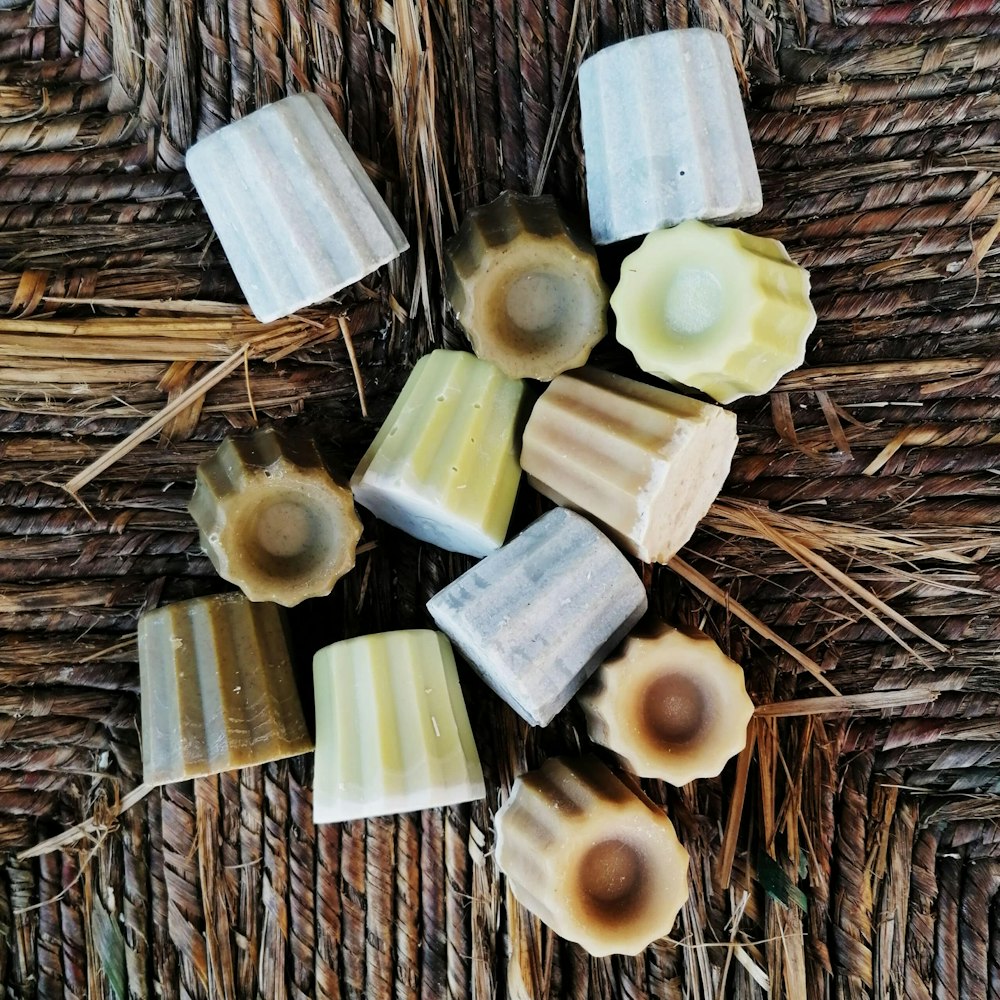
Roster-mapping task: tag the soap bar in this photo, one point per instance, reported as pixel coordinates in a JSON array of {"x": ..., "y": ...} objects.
[
  {"x": 715, "y": 309},
  {"x": 665, "y": 135},
  {"x": 392, "y": 730},
  {"x": 272, "y": 520},
  {"x": 295, "y": 211},
  {"x": 672, "y": 705},
  {"x": 217, "y": 689},
  {"x": 444, "y": 465},
  {"x": 591, "y": 857},
  {"x": 537, "y": 618},
  {"x": 645, "y": 462},
  {"x": 526, "y": 287}
]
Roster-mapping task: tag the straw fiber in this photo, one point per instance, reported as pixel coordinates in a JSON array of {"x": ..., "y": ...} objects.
[{"x": 853, "y": 853}]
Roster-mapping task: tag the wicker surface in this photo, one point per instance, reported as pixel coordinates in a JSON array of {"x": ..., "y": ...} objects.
[{"x": 865, "y": 862}]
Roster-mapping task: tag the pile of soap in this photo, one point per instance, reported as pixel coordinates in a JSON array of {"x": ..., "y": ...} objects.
[{"x": 559, "y": 611}]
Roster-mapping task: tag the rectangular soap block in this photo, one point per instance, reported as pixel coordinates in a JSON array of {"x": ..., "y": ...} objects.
[
  {"x": 537, "y": 618},
  {"x": 444, "y": 466},
  {"x": 392, "y": 729},
  {"x": 295, "y": 211},
  {"x": 645, "y": 462},
  {"x": 217, "y": 689}
]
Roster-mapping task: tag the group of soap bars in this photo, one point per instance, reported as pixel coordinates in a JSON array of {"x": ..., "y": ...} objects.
[{"x": 543, "y": 617}]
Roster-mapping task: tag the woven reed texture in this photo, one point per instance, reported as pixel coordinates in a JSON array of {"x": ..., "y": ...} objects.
[{"x": 852, "y": 854}]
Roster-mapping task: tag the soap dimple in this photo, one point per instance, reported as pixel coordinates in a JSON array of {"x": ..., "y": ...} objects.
[
  {"x": 272, "y": 519},
  {"x": 608, "y": 873},
  {"x": 530, "y": 296}
]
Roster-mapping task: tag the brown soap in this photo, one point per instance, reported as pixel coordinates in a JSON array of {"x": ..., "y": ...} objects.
[
  {"x": 526, "y": 286},
  {"x": 217, "y": 689},
  {"x": 272, "y": 520},
  {"x": 591, "y": 857},
  {"x": 672, "y": 705}
]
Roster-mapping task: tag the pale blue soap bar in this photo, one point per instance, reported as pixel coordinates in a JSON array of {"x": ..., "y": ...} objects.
[{"x": 537, "y": 618}]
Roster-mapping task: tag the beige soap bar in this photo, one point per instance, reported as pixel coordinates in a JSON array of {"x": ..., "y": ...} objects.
[
  {"x": 591, "y": 857},
  {"x": 272, "y": 520},
  {"x": 672, "y": 705},
  {"x": 645, "y": 462},
  {"x": 217, "y": 689},
  {"x": 526, "y": 286}
]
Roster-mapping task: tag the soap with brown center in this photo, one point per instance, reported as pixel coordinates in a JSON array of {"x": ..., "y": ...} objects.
[
  {"x": 217, "y": 690},
  {"x": 443, "y": 467},
  {"x": 591, "y": 857},
  {"x": 672, "y": 705},
  {"x": 272, "y": 520},
  {"x": 645, "y": 462},
  {"x": 526, "y": 287}
]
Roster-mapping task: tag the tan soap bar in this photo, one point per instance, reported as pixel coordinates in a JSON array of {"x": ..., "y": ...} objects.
[
  {"x": 526, "y": 286},
  {"x": 217, "y": 689},
  {"x": 645, "y": 462},
  {"x": 594, "y": 859},
  {"x": 672, "y": 705},
  {"x": 272, "y": 520},
  {"x": 714, "y": 308}
]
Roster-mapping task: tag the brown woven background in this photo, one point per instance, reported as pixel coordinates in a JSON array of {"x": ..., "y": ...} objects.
[{"x": 866, "y": 862}]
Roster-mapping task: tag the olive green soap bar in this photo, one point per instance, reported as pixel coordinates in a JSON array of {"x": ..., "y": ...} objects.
[
  {"x": 444, "y": 467},
  {"x": 392, "y": 730},
  {"x": 217, "y": 689}
]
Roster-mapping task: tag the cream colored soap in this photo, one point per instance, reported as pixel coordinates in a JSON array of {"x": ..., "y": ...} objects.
[
  {"x": 672, "y": 705},
  {"x": 714, "y": 308},
  {"x": 392, "y": 730},
  {"x": 644, "y": 462},
  {"x": 444, "y": 466},
  {"x": 591, "y": 857}
]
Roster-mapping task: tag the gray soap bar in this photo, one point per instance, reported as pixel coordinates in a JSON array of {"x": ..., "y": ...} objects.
[
  {"x": 665, "y": 135},
  {"x": 295, "y": 211},
  {"x": 538, "y": 617}
]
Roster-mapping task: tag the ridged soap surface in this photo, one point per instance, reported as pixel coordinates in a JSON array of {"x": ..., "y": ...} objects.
[
  {"x": 392, "y": 729},
  {"x": 526, "y": 287},
  {"x": 665, "y": 135},
  {"x": 217, "y": 689},
  {"x": 714, "y": 308},
  {"x": 645, "y": 462},
  {"x": 444, "y": 466},
  {"x": 671, "y": 704},
  {"x": 295, "y": 211},
  {"x": 537, "y": 618},
  {"x": 591, "y": 857},
  {"x": 272, "y": 520}
]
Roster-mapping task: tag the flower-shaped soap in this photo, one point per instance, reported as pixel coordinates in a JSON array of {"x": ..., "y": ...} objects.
[
  {"x": 526, "y": 287},
  {"x": 715, "y": 309},
  {"x": 272, "y": 521},
  {"x": 591, "y": 857},
  {"x": 672, "y": 705}
]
